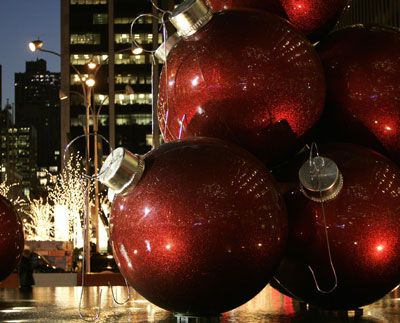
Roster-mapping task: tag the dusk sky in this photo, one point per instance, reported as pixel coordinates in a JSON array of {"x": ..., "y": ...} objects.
[{"x": 22, "y": 21}]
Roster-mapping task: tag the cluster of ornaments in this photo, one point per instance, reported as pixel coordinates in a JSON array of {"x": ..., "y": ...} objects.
[{"x": 232, "y": 201}]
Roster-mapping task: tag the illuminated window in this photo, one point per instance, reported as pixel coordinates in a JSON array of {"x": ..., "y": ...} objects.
[
  {"x": 122, "y": 38},
  {"x": 100, "y": 19},
  {"x": 85, "y": 39},
  {"x": 88, "y": 2},
  {"x": 143, "y": 38},
  {"x": 129, "y": 59},
  {"x": 83, "y": 59},
  {"x": 53, "y": 169},
  {"x": 75, "y": 79},
  {"x": 132, "y": 79},
  {"x": 127, "y": 20},
  {"x": 136, "y": 98},
  {"x": 139, "y": 38},
  {"x": 132, "y": 119},
  {"x": 101, "y": 99}
]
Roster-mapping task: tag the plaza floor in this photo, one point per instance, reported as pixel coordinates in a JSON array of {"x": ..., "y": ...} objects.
[{"x": 61, "y": 304}]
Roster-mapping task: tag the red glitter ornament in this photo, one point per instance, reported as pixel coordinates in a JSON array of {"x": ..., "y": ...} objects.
[
  {"x": 203, "y": 229},
  {"x": 244, "y": 76},
  {"x": 362, "y": 66},
  {"x": 314, "y": 17},
  {"x": 363, "y": 226},
  {"x": 11, "y": 238},
  {"x": 272, "y": 6}
]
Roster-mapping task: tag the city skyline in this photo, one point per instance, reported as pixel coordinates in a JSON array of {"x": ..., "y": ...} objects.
[{"x": 22, "y": 21}]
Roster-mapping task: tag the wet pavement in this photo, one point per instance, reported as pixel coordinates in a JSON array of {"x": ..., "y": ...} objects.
[{"x": 61, "y": 304}]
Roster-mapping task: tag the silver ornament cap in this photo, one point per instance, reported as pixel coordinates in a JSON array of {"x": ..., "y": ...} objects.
[
  {"x": 121, "y": 169},
  {"x": 164, "y": 49},
  {"x": 320, "y": 179},
  {"x": 190, "y": 16}
]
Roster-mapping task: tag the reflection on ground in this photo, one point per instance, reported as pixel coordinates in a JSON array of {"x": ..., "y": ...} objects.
[{"x": 60, "y": 304}]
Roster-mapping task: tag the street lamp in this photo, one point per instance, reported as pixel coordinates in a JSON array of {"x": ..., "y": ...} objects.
[
  {"x": 92, "y": 111},
  {"x": 87, "y": 87},
  {"x": 35, "y": 45},
  {"x": 137, "y": 50}
]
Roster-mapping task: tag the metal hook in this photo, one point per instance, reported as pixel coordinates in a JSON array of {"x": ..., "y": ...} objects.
[
  {"x": 137, "y": 45},
  {"x": 98, "y": 312},
  {"x": 128, "y": 292},
  {"x": 64, "y": 158},
  {"x": 86, "y": 228},
  {"x": 163, "y": 22},
  {"x": 158, "y": 8},
  {"x": 315, "y": 147},
  {"x": 335, "y": 284}
]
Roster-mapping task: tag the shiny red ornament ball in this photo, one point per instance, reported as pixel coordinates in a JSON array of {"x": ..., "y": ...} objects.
[
  {"x": 363, "y": 227},
  {"x": 203, "y": 230},
  {"x": 314, "y": 17},
  {"x": 248, "y": 77},
  {"x": 11, "y": 238},
  {"x": 362, "y": 67},
  {"x": 273, "y": 6}
]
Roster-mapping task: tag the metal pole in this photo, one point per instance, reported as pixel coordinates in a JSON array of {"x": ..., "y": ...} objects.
[
  {"x": 155, "y": 81},
  {"x": 65, "y": 125},
  {"x": 111, "y": 74},
  {"x": 86, "y": 240},
  {"x": 95, "y": 217}
]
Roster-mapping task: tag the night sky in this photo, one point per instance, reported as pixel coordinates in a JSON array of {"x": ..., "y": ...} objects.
[{"x": 22, "y": 21}]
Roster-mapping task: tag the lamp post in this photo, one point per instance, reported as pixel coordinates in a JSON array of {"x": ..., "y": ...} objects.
[
  {"x": 87, "y": 87},
  {"x": 91, "y": 111}
]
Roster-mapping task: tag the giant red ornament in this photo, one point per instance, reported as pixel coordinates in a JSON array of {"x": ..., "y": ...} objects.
[
  {"x": 203, "y": 229},
  {"x": 245, "y": 76},
  {"x": 11, "y": 238},
  {"x": 272, "y": 6},
  {"x": 362, "y": 66},
  {"x": 314, "y": 17},
  {"x": 363, "y": 227}
]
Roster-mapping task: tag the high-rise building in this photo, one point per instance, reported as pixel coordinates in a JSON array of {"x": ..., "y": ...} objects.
[
  {"x": 1, "y": 88},
  {"x": 99, "y": 31},
  {"x": 37, "y": 105},
  {"x": 18, "y": 149}
]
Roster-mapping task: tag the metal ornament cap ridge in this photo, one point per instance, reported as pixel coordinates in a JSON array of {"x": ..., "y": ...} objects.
[
  {"x": 121, "y": 169},
  {"x": 190, "y": 16},
  {"x": 320, "y": 179}
]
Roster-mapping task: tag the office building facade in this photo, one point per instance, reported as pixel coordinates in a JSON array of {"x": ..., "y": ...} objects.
[
  {"x": 99, "y": 31},
  {"x": 37, "y": 105},
  {"x": 18, "y": 155}
]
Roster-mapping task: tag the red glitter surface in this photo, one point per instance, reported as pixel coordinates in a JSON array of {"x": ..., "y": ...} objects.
[
  {"x": 204, "y": 229},
  {"x": 314, "y": 17},
  {"x": 11, "y": 238},
  {"x": 364, "y": 233},
  {"x": 362, "y": 66},
  {"x": 248, "y": 77},
  {"x": 273, "y": 6}
]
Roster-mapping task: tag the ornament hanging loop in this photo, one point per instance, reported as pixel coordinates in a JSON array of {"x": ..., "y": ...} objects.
[
  {"x": 320, "y": 181},
  {"x": 155, "y": 5},
  {"x": 68, "y": 147},
  {"x": 135, "y": 44},
  {"x": 128, "y": 293},
  {"x": 313, "y": 148}
]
